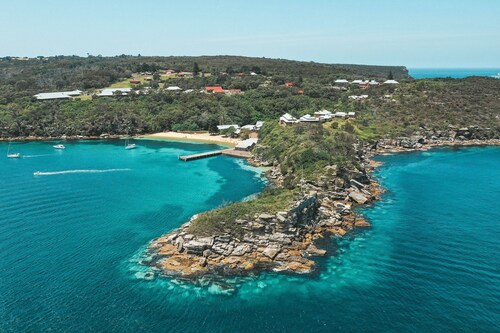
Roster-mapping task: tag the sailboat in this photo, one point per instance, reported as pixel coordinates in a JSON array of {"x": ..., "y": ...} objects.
[
  {"x": 12, "y": 155},
  {"x": 129, "y": 145}
]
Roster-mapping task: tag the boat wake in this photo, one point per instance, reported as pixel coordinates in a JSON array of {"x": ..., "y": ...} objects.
[
  {"x": 31, "y": 156},
  {"x": 39, "y": 173}
]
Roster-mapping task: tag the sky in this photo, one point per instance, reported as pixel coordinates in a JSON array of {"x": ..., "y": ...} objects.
[{"x": 413, "y": 33}]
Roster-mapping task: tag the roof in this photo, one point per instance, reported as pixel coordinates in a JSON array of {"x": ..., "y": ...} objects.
[
  {"x": 246, "y": 144},
  {"x": 111, "y": 91},
  {"x": 357, "y": 82},
  {"x": 214, "y": 89},
  {"x": 308, "y": 118},
  {"x": 340, "y": 114},
  {"x": 341, "y": 81},
  {"x": 173, "y": 88},
  {"x": 288, "y": 118},
  {"x": 373, "y": 82},
  {"x": 391, "y": 82},
  {"x": 259, "y": 124},
  {"x": 58, "y": 95},
  {"x": 322, "y": 113},
  {"x": 248, "y": 127},
  {"x": 224, "y": 127}
]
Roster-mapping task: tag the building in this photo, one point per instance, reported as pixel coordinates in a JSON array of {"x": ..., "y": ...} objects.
[
  {"x": 341, "y": 81},
  {"x": 358, "y": 98},
  {"x": 308, "y": 119},
  {"x": 340, "y": 114},
  {"x": 289, "y": 84},
  {"x": 185, "y": 74},
  {"x": 351, "y": 114},
  {"x": 110, "y": 92},
  {"x": 246, "y": 144},
  {"x": 173, "y": 88},
  {"x": 234, "y": 91},
  {"x": 288, "y": 119},
  {"x": 391, "y": 82},
  {"x": 170, "y": 71},
  {"x": 373, "y": 83},
  {"x": 323, "y": 115},
  {"x": 357, "y": 82},
  {"x": 258, "y": 125},
  {"x": 225, "y": 127},
  {"x": 214, "y": 90},
  {"x": 58, "y": 95}
]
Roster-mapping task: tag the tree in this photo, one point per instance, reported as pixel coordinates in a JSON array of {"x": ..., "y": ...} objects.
[{"x": 196, "y": 69}]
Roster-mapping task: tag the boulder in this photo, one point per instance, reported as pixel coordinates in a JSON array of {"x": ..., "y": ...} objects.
[
  {"x": 358, "y": 197},
  {"x": 271, "y": 251}
]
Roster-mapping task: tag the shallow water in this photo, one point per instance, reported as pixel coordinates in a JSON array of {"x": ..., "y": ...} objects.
[{"x": 70, "y": 245}]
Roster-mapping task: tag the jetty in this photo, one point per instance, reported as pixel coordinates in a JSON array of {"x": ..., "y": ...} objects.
[{"x": 227, "y": 152}]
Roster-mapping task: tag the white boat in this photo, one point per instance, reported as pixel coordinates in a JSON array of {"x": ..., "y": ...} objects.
[
  {"x": 12, "y": 155},
  {"x": 59, "y": 147},
  {"x": 36, "y": 173},
  {"x": 129, "y": 145}
]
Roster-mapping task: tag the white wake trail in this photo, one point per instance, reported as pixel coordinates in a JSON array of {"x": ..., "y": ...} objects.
[{"x": 39, "y": 173}]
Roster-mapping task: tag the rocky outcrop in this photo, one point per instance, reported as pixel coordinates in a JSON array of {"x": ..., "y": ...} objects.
[{"x": 284, "y": 241}]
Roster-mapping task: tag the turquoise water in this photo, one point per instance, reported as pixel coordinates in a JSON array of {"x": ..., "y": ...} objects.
[
  {"x": 456, "y": 73},
  {"x": 70, "y": 245}
]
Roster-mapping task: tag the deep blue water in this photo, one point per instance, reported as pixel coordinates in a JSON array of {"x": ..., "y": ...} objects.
[
  {"x": 456, "y": 73},
  {"x": 70, "y": 245}
]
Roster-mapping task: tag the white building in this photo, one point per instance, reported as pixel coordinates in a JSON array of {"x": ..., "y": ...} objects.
[
  {"x": 341, "y": 81},
  {"x": 246, "y": 144},
  {"x": 309, "y": 119},
  {"x": 225, "y": 127},
  {"x": 358, "y": 98},
  {"x": 373, "y": 83},
  {"x": 340, "y": 114},
  {"x": 288, "y": 119},
  {"x": 173, "y": 88},
  {"x": 391, "y": 82},
  {"x": 110, "y": 92},
  {"x": 323, "y": 115},
  {"x": 58, "y": 95}
]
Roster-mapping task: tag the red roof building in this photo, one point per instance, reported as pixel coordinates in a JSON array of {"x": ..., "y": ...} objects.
[
  {"x": 300, "y": 92},
  {"x": 289, "y": 84},
  {"x": 214, "y": 89}
]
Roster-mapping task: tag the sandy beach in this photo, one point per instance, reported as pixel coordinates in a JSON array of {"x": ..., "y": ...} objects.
[{"x": 198, "y": 137}]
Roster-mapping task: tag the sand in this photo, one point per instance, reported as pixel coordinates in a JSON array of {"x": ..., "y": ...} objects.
[{"x": 198, "y": 137}]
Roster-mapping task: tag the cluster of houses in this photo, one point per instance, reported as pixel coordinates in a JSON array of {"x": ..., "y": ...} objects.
[{"x": 319, "y": 116}]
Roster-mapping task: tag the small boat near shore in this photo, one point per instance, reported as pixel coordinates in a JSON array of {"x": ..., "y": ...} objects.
[
  {"x": 59, "y": 147},
  {"x": 130, "y": 146},
  {"x": 12, "y": 155}
]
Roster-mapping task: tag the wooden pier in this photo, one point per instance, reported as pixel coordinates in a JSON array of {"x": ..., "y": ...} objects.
[{"x": 228, "y": 152}]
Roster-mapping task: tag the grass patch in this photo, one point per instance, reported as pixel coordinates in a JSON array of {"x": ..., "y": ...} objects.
[
  {"x": 222, "y": 220},
  {"x": 122, "y": 84}
]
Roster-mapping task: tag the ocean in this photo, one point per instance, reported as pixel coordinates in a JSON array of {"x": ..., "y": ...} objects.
[
  {"x": 71, "y": 242},
  {"x": 456, "y": 73}
]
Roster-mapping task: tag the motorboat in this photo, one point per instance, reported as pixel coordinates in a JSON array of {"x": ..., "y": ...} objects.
[
  {"x": 59, "y": 147},
  {"x": 37, "y": 173},
  {"x": 130, "y": 146}
]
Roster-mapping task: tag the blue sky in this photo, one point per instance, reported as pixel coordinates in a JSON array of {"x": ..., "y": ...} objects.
[{"x": 415, "y": 33}]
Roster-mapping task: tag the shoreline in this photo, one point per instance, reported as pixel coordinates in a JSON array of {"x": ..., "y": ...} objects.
[{"x": 192, "y": 137}]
